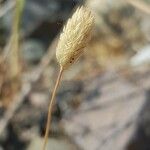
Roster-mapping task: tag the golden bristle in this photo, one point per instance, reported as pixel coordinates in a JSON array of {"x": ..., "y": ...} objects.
[{"x": 74, "y": 37}]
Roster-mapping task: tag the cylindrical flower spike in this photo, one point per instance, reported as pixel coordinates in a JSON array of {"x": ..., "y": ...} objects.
[{"x": 74, "y": 37}]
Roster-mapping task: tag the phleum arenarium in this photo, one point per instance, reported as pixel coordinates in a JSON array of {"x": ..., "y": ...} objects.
[
  {"x": 72, "y": 42},
  {"x": 74, "y": 37}
]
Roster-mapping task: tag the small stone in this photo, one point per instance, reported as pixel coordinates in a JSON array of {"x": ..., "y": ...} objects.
[{"x": 38, "y": 99}]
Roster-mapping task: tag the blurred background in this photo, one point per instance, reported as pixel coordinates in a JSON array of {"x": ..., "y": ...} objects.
[{"x": 103, "y": 102}]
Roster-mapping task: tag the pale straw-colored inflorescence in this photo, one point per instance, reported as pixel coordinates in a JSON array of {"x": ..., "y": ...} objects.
[{"x": 74, "y": 37}]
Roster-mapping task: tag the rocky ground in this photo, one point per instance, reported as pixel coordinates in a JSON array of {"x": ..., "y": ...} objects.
[{"x": 103, "y": 101}]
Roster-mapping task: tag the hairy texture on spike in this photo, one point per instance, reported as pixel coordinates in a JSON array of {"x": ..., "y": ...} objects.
[{"x": 74, "y": 37}]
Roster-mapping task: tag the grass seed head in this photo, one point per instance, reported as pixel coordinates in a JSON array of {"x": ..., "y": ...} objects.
[{"x": 74, "y": 37}]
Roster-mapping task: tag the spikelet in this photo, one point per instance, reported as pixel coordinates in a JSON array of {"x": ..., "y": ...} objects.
[{"x": 74, "y": 37}]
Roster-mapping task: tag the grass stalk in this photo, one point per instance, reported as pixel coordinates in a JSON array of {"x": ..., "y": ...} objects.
[
  {"x": 73, "y": 40},
  {"x": 51, "y": 104},
  {"x": 13, "y": 45}
]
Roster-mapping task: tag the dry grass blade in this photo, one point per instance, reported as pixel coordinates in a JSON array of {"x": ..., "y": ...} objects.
[
  {"x": 11, "y": 58},
  {"x": 13, "y": 46}
]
